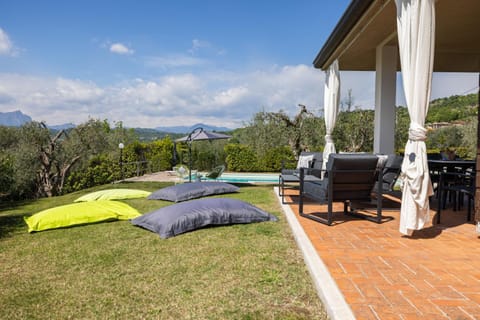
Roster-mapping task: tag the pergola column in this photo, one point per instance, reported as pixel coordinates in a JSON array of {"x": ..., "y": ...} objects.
[{"x": 385, "y": 93}]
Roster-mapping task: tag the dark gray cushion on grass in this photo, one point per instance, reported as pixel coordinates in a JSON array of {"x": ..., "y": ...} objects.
[
  {"x": 190, "y": 215},
  {"x": 187, "y": 191}
]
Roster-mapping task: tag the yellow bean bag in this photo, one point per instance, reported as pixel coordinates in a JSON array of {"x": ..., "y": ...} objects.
[
  {"x": 80, "y": 213},
  {"x": 113, "y": 194}
]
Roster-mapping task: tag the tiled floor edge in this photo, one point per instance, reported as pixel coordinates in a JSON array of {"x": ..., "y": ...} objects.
[{"x": 332, "y": 298}]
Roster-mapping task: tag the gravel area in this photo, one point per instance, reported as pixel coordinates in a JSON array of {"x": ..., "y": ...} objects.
[{"x": 156, "y": 176}]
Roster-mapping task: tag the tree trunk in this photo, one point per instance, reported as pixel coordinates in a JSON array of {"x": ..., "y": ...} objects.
[
  {"x": 63, "y": 173},
  {"x": 45, "y": 187},
  {"x": 49, "y": 181}
]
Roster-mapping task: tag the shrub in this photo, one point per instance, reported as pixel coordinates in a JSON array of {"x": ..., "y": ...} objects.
[
  {"x": 159, "y": 154},
  {"x": 273, "y": 159},
  {"x": 241, "y": 158},
  {"x": 100, "y": 170},
  {"x": 6, "y": 175}
]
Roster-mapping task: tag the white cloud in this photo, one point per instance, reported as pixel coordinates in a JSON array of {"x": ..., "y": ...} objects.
[
  {"x": 230, "y": 96},
  {"x": 75, "y": 91},
  {"x": 55, "y": 100},
  {"x": 6, "y": 45},
  {"x": 120, "y": 48},
  {"x": 217, "y": 97}
]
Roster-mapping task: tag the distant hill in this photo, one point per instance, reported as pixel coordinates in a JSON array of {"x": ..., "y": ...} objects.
[
  {"x": 146, "y": 134},
  {"x": 14, "y": 118},
  {"x": 453, "y": 108},
  {"x": 63, "y": 126},
  {"x": 18, "y": 118},
  {"x": 188, "y": 129}
]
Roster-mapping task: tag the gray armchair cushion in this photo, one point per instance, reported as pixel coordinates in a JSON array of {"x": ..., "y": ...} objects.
[
  {"x": 304, "y": 161},
  {"x": 391, "y": 171},
  {"x": 315, "y": 164},
  {"x": 318, "y": 189}
]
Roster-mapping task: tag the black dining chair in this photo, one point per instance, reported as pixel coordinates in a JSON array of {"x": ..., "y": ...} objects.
[{"x": 455, "y": 186}]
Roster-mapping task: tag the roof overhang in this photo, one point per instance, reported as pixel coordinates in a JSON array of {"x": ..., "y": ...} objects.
[{"x": 368, "y": 24}]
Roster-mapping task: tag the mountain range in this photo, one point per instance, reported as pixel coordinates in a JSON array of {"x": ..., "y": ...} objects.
[
  {"x": 14, "y": 118},
  {"x": 17, "y": 119}
]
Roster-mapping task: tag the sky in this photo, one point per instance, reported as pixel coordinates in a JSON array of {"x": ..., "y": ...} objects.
[{"x": 159, "y": 63}]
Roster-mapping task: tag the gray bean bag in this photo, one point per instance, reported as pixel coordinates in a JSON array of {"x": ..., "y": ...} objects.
[
  {"x": 190, "y": 215},
  {"x": 187, "y": 191}
]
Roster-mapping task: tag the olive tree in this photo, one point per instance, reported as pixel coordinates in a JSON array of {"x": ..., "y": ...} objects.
[
  {"x": 354, "y": 131},
  {"x": 269, "y": 130},
  {"x": 470, "y": 137}
]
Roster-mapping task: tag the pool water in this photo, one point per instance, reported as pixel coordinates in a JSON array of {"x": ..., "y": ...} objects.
[{"x": 247, "y": 178}]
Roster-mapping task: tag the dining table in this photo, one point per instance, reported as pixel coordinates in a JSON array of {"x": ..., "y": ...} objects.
[{"x": 439, "y": 166}]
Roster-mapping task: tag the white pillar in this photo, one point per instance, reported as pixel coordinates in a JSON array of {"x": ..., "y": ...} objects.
[{"x": 385, "y": 93}]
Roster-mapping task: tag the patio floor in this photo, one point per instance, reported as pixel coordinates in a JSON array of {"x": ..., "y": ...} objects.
[{"x": 434, "y": 274}]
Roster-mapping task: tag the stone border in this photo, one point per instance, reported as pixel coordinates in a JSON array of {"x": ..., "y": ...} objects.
[{"x": 328, "y": 291}]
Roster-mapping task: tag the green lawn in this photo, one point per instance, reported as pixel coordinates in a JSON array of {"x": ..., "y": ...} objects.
[{"x": 118, "y": 271}]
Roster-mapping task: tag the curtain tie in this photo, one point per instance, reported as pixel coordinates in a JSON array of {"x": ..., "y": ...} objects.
[
  {"x": 417, "y": 133},
  {"x": 328, "y": 138}
]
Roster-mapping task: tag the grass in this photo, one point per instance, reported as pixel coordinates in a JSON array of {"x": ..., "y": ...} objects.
[{"x": 118, "y": 271}]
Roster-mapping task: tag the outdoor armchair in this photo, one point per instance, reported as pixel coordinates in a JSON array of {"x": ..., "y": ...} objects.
[
  {"x": 214, "y": 174},
  {"x": 349, "y": 178},
  {"x": 391, "y": 171},
  {"x": 289, "y": 178}
]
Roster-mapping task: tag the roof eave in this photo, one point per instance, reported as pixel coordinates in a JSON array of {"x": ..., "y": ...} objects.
[{"x": 349, "y": 19}]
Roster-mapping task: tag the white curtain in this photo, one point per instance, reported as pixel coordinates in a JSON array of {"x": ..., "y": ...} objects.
[
  {"x": 416, "y": 38},
  {"x": 331, "y": 101}
]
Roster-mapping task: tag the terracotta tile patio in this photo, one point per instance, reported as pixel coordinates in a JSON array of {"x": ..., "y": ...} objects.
[{"x": 435, "y": 274}]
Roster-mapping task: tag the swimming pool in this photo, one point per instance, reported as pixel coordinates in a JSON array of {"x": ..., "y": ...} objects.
[{"x": 247, "y": 177}]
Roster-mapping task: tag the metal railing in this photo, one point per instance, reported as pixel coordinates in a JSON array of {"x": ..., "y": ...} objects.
[{"x": 140, "y": 168}]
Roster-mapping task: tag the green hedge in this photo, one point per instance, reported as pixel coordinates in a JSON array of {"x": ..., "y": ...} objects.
[
  {"x": 274, "y": 158},
  {"x": 241, "y": 158}
]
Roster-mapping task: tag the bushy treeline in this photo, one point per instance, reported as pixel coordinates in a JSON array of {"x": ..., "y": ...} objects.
[
  {"x": 453, "y": 108},
  {"x": 272, "y": 137},
  {"x": 36, "y": 162}
]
